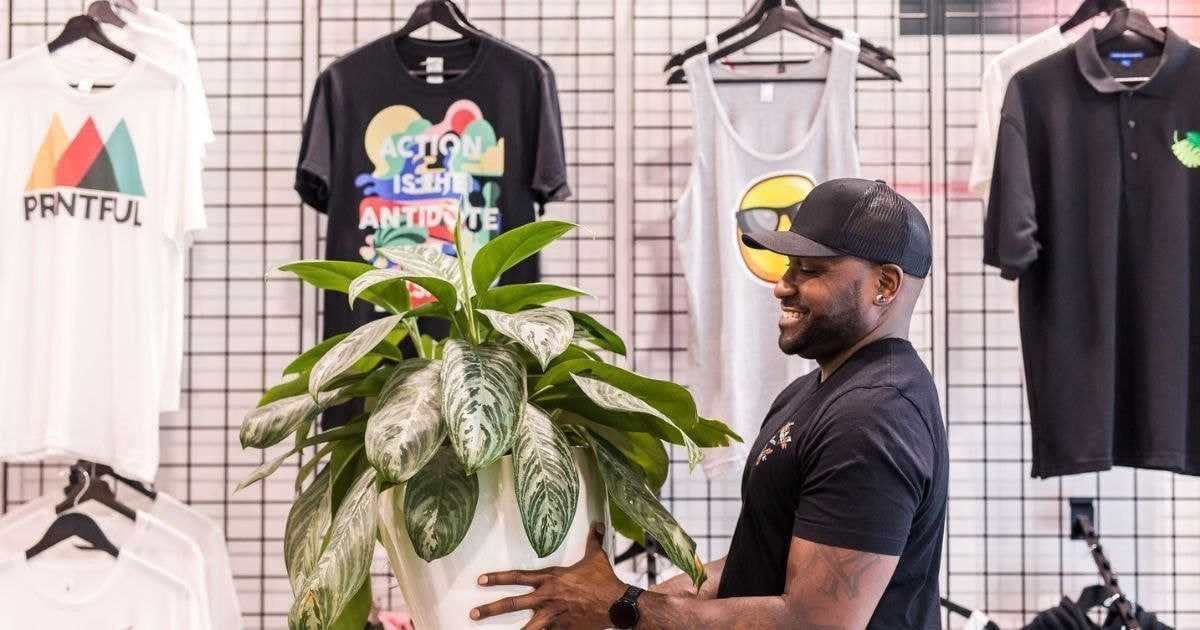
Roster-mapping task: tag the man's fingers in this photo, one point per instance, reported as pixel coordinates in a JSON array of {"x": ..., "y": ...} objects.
[
  {"x": 506, "y": 605},
  {"x": 595, "y": 538},
  {"x": 514, "y": 578}
]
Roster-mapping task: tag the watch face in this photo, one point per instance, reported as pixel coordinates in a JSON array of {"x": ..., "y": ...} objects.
[{"x": 623, "y": 614}]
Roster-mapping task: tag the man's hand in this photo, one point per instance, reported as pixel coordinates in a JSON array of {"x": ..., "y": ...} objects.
[{"x": 577, "y": 596}]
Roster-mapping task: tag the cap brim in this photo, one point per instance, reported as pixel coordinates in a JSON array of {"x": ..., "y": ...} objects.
[{"x": 789, "y": 244}]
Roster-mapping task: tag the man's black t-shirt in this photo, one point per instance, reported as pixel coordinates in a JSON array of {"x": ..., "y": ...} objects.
[
  {"x": 858, "y": 462},
  {"x": 394, "y": 159}
]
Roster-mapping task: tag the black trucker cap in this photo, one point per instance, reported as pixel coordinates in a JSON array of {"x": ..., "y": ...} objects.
[{"x": 854, "y": 217}]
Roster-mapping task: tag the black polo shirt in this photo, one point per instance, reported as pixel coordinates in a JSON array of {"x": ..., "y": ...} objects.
[{"x": 1095, "y": 207}]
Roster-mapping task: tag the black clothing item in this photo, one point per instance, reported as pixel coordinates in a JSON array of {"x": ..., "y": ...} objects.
[
  {"x": 1069, "y": 615},
  {"x": 1094, "y": 193},
  {"x": 860, "y": 462},
  {"x": 394, "y": 160}
]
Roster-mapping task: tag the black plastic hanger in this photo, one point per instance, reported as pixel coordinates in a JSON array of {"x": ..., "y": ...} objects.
[
  {"x": 102, "y": 11},
  {"x": 1126, "y": 20},
  {"x": 86, "y": 27},
  {"x": 963, "y": 611},
  {"x": 104, "y": 470},
  {"x": 778, "y": 19},
  {"x": 443, "y": 12},
  {"x": 73, "y": 525},
  {"x": 754, "y": 15},
  {"x": 90, "y": 488},
  {"x": 1089, "y": 9}
]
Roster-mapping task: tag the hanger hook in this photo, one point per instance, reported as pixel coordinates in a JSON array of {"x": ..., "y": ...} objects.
[{"x": 87, "y": 482}]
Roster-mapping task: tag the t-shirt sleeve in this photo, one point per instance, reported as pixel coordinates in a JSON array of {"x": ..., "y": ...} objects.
[
  {"x": 1010, "y": 229},
  {"x": 314, "y": 171},
  {"x": 991, "y": 92},
  {"x": 550, "y": 161},
  {"x": 184, "y": 206},
  {"x": 869, "y": 471}
]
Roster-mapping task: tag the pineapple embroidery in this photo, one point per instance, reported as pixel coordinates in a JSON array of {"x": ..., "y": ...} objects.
[
  {"x": 779, "y": 440},
  {"x": 1187, "y": 150}
]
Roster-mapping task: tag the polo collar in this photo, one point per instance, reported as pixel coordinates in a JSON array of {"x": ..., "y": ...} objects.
[{"x": 1162, "y": 82}]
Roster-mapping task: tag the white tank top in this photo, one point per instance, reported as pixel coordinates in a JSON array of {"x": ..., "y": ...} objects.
[{"x": 759, "y": 147}]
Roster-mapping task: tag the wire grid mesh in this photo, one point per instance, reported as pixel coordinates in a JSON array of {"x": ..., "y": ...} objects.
[{"x": 628, "y": 148}]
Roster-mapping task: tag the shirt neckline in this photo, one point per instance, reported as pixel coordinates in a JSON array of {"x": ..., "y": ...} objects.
[
  {"x": 1162, "y": 80},
  {"x": 706, "y": 75},
  {"x": 56, "y": 77},
  {"x": 450, "y": 84},
  {"x": 41, "y": 590}
]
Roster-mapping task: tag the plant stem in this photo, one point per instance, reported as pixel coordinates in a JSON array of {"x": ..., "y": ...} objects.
[
  {"x": 473, "y": 333},
  {"x": 415, "y": 333}
]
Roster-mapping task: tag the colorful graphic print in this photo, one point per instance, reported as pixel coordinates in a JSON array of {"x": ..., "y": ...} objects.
[
  {"x": 763, "y": 207},
  {"x": 426, "y": 178},
  {"x": 779, "y": 441},
  {"x": 85, "y": 161},
  {"x": 1187, "y": 150}
]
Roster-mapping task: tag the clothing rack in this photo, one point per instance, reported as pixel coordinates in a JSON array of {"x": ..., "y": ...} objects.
[{"x": 1116, "y": 598}]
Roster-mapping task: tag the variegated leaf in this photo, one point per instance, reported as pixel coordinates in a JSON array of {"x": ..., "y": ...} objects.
[
  {"x": 616, "y": 399},
  {"x": 355, "y": 346},
  {"x": 269, "y": 424},
  {"x": 627, "y": 490},
  {"x": 444, "y": 291},
  {"x": 370, "y": 279},
  {"x": 439, "y": 505},
  {"x": 267, "y": 469},
  {"x": 346, "y": 561},
  {"x": 307, "y": 522},
  {"x": 547, "y": 481},
  {"x": 406, "y": 428},
  {"x": 483, "y": 390},
  {"x": 419, "y": 260},
  {"x": 545, "y": 332}
]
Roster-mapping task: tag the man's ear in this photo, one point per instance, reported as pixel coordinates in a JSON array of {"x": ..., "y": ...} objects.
[{"x": 889, "y": 281}]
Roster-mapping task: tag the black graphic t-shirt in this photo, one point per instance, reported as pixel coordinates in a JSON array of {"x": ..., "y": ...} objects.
[
  {"x": 395, "y": 160},
  {"x": 858, "y": 462}
]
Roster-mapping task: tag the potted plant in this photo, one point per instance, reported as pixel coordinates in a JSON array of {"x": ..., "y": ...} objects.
[{"x": 502, "y": 422}]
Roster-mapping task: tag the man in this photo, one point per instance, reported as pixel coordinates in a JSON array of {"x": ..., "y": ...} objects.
[{"x": 844, "y": 493}]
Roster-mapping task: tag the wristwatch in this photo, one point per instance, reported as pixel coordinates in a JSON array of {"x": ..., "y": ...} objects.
[{"x": 624, "y": 612}]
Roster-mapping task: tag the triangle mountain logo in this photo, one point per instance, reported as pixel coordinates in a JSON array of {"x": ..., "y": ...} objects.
[{"x": 86, "y": 161}]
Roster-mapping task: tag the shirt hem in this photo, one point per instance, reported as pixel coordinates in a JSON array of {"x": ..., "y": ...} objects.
[{"x": 1170, "y": 462}]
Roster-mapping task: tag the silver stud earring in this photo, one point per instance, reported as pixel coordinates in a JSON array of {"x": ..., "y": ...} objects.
[{"x": 880, "y": 299}]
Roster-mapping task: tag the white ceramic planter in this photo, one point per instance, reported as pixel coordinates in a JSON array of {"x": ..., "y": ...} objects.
[{"x": 441, "y": 594}]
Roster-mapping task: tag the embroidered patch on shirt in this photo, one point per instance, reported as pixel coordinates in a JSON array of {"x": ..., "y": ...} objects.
[
  {"x": 1187, "y": 150},
  {"x": 779, "y": 440}
]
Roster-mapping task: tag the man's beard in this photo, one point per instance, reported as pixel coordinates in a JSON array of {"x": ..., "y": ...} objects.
[{"x": 827, "y": 333}]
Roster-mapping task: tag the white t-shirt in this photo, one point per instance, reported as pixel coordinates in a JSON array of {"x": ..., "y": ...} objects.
[
  {"x": 68, "y": 588},
  {"x": 177, "y": 55},
  {"x": 759, "y": 148},
  {"x": 222, "y": 593},
  {"x": 99, "y": 191},
  {"x": 156, "y": 542},
  {"x": 991, "y": 98}
]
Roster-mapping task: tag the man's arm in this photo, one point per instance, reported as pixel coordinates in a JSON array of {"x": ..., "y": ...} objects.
[
  {"x": 828, "y": 588},
  {"x": 681, "y": 585}
]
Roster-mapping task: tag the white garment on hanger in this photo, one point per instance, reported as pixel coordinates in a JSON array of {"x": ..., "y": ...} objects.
[
  {"x": 160, "y": 545},
  {"x": 758, "y": 149}
]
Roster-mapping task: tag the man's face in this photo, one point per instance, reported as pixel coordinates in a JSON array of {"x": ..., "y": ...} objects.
[{"x": 823, "y": 305}]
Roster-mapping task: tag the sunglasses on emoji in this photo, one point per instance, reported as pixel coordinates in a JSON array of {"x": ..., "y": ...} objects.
[{"x": 753, "y": 220}]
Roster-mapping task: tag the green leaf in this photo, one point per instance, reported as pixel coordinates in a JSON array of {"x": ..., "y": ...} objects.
[
  {"x": 406, "y": 428},
  {"x": 346, "y": 462},
  {"x": 710, "y": 433},
  {"x": 357, "y": 611},
  {"x": 348, "y": 351},
  {"x": 346, "y": 561},
  {"x": 483, "y": 391},
  {"x": 611, "y": 397},
  {"x": 545, "y": 332},
  {"x": 311, "y": 465},
  {"x": 269, "y": 424},
  {"x": 514, "y": 297},
  {"x": 336, "y": 275},
  {"x": 1194, "y": 138},
  {"x": 423, "y": 262},
  {"x": 510, "y": 248},
  {"x": 627, "y": 490},
  {"x": 439, "y": 505},
  {"x": 267, "y": 469},
  {"x": 307, "y": 521},
  {"x": 624, "y": 525},
  {"x": 547, "y": 481},
  {"x": 673, "y": 400},
  {"x": 597, "y": 333},
  {"x": 642, "y": 451},
  {"x": 286, "y": 389},
  {"x": 356, "y": 426},
  {"x": 386, "y": 348},
  {"x": 442, "y": 290},
  {"x": 368, "y": 386}
]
